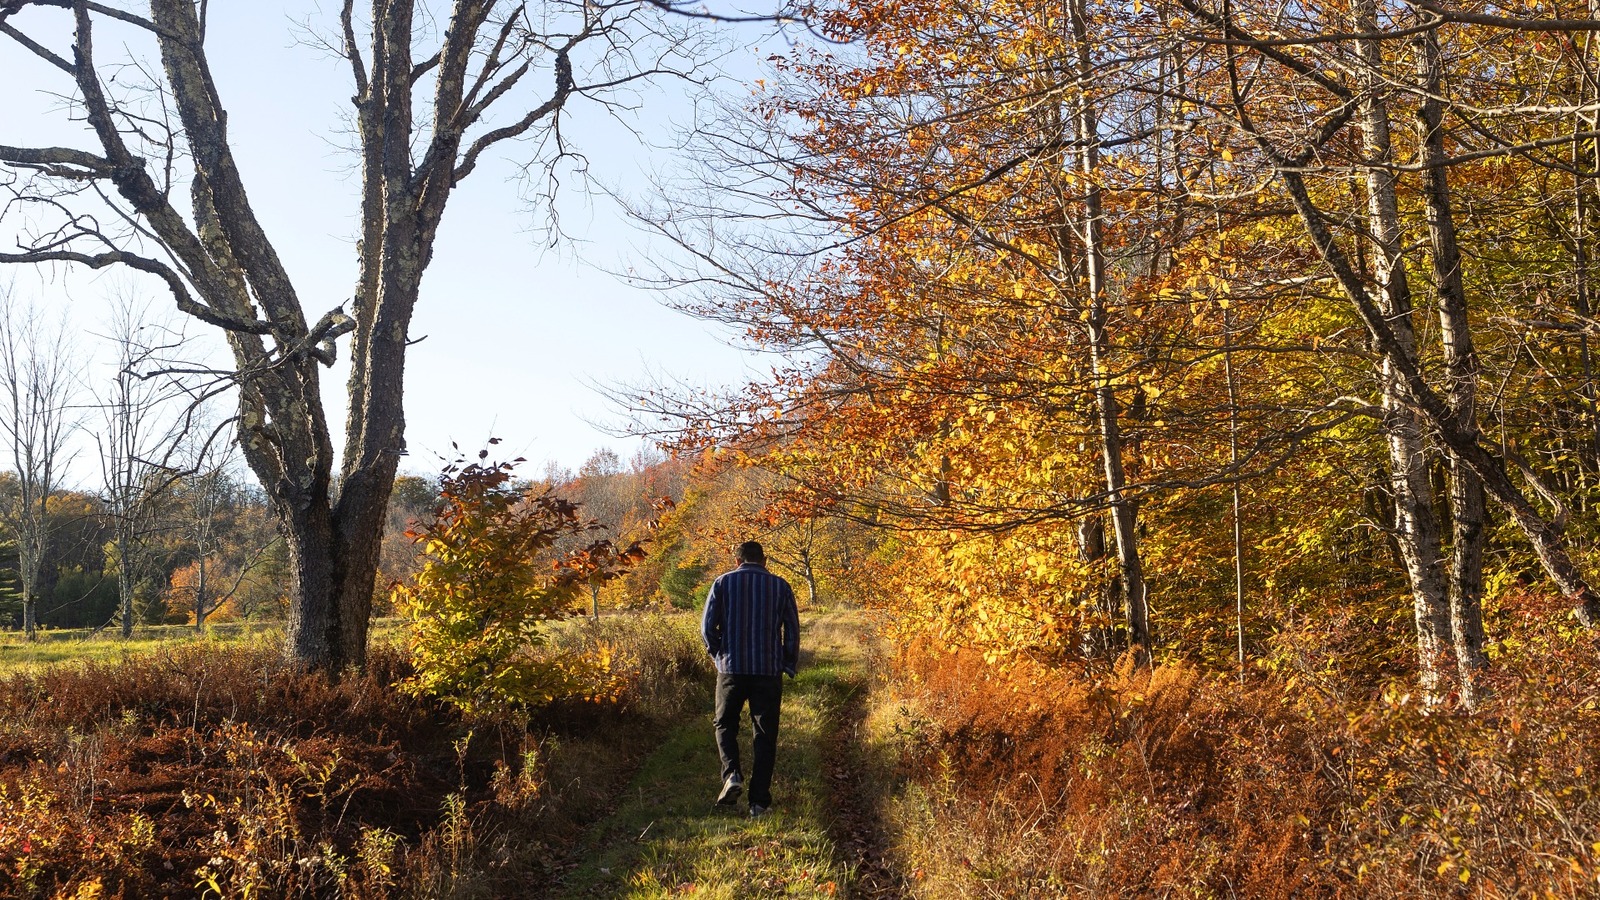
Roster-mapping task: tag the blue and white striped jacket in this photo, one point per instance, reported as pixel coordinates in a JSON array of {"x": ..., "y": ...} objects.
[{"x": 751, "y": 625}]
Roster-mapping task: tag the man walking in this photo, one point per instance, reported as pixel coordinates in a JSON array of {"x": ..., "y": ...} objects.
[{"x": 752, "y": 630}]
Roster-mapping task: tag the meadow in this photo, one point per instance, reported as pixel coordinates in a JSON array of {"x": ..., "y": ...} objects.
[
  {"x": 87, "y": 645},
  {"x": 189, "y": 767}
]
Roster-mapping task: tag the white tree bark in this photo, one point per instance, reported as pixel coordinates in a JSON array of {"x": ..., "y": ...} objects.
[{"x": 1416, "y": 526}]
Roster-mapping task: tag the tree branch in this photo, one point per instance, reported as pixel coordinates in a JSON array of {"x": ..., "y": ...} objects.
[
  {"x": 175, "y": 282},
  {"x": 352, "y": 49},
  {"x": 36, "y": 48},
  {"x": 564, "y": 88},
  {"x": 319, "y": 342},
  {"x": 1463, "y": 17},
  {"x": 53, "y": 160}
]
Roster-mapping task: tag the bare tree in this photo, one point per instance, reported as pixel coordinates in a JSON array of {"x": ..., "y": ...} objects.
[
  {"x": 206, "y": 491},
  {"x": 428, "y": 107},
  {"x": 141, "y": 427},
  {"x": 37, "y": 390}
]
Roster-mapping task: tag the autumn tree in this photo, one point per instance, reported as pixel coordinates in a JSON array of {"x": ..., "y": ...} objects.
[
  {"x": 624, "y": 500},
  {"x": 491, "y": 581},
  {"x": 1377, "y": 92},
  {"x": 1009, "y": 305},
  {"x": 428, "y": 106}
]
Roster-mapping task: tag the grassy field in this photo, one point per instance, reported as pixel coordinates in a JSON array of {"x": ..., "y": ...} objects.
[{"x": 68, "y": 645}]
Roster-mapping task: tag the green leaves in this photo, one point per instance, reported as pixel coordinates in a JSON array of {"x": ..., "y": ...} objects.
[{"x": 491, "y": 581}]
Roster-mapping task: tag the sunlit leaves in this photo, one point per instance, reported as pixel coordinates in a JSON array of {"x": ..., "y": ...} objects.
[{"x": 490, "y": 586}]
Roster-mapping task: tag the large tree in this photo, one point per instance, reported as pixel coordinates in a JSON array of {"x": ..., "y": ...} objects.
[{"x": 428, "y": 104}]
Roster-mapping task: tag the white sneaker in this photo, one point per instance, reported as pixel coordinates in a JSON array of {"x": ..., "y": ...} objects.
[
  {"x": 757, "y": 810},
  {"x": 730, "y": 790}
]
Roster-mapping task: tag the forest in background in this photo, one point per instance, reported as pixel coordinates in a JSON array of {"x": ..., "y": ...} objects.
[{"x": 218, "y": 515}]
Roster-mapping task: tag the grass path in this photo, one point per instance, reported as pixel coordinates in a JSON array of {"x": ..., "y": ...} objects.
[{"x": 666, "y": 837}]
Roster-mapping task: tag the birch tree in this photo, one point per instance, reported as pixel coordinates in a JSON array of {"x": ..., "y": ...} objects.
[{"x": 1415, "y": 407}]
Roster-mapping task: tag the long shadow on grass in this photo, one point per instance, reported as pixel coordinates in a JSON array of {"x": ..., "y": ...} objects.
[
  {"x": 856, "y": 794},
  {"x": 668, "y": 838}
]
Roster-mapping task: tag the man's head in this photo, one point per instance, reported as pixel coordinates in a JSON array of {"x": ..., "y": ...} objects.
[{"x": 751, "y": 553}]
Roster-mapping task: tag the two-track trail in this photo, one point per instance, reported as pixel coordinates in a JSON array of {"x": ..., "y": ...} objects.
[{"x": 823, "y": 838}]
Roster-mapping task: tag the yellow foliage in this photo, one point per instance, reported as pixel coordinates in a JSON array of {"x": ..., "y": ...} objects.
[{"x": 488, "y": 587}]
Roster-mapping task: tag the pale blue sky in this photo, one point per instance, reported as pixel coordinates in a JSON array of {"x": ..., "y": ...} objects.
[{"x": 514, "y": 333}]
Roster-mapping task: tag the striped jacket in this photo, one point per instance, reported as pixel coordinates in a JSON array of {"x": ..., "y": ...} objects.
[{"x": 751, "y": 625}]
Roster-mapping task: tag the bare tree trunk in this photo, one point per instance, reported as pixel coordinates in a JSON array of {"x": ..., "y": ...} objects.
[
  {"x": 208, "y": 490},
  {"x": 1238, "y": 502},
  {"x": 313, "y": 622},
  {"x": 137, "y": 443},
  {"x": 1586, "y": 207},
  {"x": 808, "y": 567},
  {"x": 1416, "y": 525},
  {"x": 202, "y": 598},
  {"x": 1468, "y": 508},
  {"x": 28, "y": 572},
  {"x": 127, "y": 584},
  {"x": 1123, "y": 514}
]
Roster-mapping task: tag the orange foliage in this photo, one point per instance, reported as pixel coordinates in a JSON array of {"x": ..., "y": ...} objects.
[{"x": 1181, "y": 782}]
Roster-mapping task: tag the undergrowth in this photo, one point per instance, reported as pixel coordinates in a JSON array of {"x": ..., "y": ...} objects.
[
  {"x": 218, "y": 771},
  {"x": 1179, "y": 781}
]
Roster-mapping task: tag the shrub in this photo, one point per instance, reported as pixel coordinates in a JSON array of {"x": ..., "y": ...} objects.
[
  {"x": 489, "y": 586},
  {"x": 1054, "y": 780},
  {"x": 681, "y": 584}
]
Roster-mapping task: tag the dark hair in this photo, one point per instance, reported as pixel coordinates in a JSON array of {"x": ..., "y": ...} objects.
[{"x": 751, "y": 552}]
